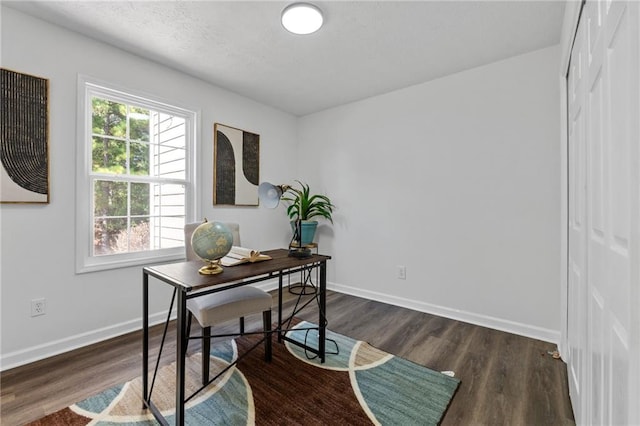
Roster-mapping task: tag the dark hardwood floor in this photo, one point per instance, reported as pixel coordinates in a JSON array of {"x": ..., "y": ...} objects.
[{"x": 506, "y": 379}]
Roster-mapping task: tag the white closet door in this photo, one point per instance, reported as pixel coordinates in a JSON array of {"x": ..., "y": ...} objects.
[
  {"x": 621, "y": 75},
  {"x": 577, "y": 288},
  {"x": 597, "y": 215},
  {"x": 604, "y": 211}
]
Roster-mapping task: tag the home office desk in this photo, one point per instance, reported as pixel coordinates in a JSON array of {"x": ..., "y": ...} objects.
[{"x": 188, "y": 283}]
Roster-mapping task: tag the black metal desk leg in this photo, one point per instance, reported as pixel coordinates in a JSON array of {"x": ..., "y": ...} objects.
[
  {"x": 145, "y": 337},
  {"x": 322, "y": 322},
  {"x": 180, "y": 357},
  {"x": 280, "y": 307}
]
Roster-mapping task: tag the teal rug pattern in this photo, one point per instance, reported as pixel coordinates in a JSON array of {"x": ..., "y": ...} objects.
[
  {"x": 391, "y": 390},
  {"x": 357, "y": 385}
]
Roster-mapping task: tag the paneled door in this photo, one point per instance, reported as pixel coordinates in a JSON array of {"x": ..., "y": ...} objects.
[
  {"x": 604, "y": 215},
  {"x": 577, "y": 287}
]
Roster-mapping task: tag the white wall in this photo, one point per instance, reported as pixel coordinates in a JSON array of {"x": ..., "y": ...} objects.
[
  {"x": 457, "y": 179},
  {"x": 38, "y": 253}
]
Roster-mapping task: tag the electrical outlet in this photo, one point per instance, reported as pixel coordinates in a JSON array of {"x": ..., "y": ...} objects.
[
  {"x": 38, "y": 307},
  {"x": 402, "y": 272}
]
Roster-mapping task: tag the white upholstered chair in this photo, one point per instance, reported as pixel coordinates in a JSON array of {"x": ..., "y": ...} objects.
[{"x": 213, "y": 309}]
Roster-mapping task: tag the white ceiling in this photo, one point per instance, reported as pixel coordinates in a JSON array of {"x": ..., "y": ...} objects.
[{"x": 364, "y": 49}]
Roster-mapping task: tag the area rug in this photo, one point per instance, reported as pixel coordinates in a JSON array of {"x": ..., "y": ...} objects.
[{"x": 358, "y": 384}]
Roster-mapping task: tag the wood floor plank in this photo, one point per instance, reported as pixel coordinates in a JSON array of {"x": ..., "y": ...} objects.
[{"x": 505, "y": 379}]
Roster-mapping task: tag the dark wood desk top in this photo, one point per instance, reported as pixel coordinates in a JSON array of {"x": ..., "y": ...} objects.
[{"x": 186, "y": 275}]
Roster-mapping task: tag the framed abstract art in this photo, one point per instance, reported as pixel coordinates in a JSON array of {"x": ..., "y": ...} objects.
[
  {"x": 236, "y": 166},
  {"x": 24, "y": 138}
]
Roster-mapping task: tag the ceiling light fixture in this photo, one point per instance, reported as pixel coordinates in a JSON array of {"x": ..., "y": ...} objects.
[{"x": 302, "y": 18}]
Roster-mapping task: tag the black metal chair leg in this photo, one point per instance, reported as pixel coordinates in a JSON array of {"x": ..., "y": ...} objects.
[
  {"x": 206, "y": 353},
  {"x": 266, "y": 327},
  {"x": 241, "y": 326}
]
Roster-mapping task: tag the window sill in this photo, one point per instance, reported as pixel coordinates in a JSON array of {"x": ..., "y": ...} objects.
[{"x": 104, "y": 263}]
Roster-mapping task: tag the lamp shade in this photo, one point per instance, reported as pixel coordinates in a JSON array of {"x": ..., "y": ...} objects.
[{"x": 269, "y": 195}]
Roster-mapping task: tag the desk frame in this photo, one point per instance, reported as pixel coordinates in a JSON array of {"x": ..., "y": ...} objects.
[{"x": 184, "y": 277}]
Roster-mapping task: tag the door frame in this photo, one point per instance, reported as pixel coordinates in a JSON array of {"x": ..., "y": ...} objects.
[{"x": 572, "y": 12}]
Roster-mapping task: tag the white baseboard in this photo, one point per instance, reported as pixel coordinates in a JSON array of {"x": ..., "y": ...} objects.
[
  {"x": 526, "y": 330},
  {"x": 36, "y": 353},
  {"x": 57, "y": 347}
]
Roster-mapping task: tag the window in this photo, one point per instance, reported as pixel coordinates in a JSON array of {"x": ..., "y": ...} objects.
[{"x": 135, "y": 178}]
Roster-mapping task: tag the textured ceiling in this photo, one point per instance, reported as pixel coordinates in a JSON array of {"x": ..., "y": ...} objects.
[{"x": 364, "y": 49}]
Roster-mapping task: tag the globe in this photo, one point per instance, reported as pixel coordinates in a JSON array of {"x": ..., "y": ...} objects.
[{"x": 211, "y": 241}]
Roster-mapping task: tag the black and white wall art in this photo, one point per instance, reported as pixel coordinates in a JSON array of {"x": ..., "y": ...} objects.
[
  {"x": 236, "y": 166},
  {"x": 24, "y": 138}
]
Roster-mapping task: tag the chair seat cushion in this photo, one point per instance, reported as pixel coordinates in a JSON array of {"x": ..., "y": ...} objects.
[{"x": 229, "y": 304}]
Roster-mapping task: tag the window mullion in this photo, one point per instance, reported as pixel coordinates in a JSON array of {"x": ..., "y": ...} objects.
[
  {"x": 129, "y": 234},
  {"x": 128, "y": 172},
  {"x": 137, "y": 178}
]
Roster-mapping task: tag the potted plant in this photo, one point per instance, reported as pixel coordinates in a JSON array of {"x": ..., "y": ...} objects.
[{"x": 304, "y": 206}]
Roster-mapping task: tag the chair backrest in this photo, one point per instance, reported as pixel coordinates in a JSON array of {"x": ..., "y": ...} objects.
[{"x": 190, "y": 227}]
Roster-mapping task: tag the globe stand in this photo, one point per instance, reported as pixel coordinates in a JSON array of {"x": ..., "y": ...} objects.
[{"x": 212, "y": 268}]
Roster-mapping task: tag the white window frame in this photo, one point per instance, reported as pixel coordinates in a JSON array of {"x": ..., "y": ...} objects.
[{"x": 85, "y": 261}]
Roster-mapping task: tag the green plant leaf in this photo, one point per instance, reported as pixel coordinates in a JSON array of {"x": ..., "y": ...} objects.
[{"x": 305, "y": 206}]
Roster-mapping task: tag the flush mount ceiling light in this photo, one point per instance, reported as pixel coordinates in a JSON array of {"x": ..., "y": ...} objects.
[{"x": 302, "y": 18}]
